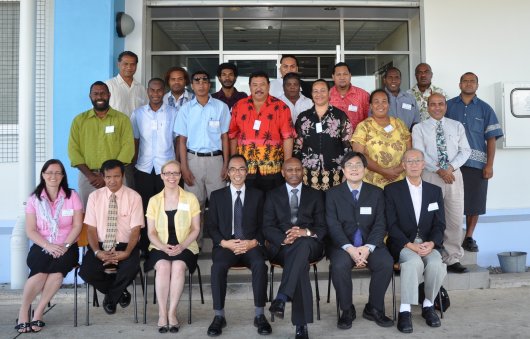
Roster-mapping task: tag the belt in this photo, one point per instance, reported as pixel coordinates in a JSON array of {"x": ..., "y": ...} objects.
[{"x": 208, "y": 154}]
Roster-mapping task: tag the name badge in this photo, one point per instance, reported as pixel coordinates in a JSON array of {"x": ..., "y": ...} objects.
[
  {"x": 352, "y": 108},
  {"x": 257, "y": 124},
  {"x": 214, "y": 123},
  {"x": 109, "y": 129},
  {"x": 67, "y": 212},
  {"x": 433, "y": 206},
  {"x": 389, "y": 128},
  {"x": 319, "y": 127},
  {"x": 406, "y": 106},
  {"x": 366, "y": 210},
  {"x": 183, "y": 207},
  {"x": 154, "y": 125}
]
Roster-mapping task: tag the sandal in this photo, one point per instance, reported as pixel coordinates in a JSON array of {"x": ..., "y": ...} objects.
[
  {"x": 174, "y": 328},
  {"x": 163, "y": 329},
  {"x": 23, "y": 328},
  {"x": 37, "y": 323}
]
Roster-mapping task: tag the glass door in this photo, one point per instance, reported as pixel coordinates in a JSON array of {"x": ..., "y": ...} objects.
[{"x": 247, "y": 64}]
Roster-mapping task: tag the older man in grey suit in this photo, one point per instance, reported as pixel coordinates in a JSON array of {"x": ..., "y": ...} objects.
[{"x": 416, "y": 224}]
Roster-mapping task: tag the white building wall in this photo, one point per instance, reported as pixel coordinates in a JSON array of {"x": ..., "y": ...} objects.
[{"x": 487, "y": 38}]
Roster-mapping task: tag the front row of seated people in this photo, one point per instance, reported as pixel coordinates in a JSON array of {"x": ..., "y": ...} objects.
[{"x": 290, "y": 227}]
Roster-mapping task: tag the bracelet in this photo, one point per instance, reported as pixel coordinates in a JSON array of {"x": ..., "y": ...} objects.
[{"x": 96, "y": 253}]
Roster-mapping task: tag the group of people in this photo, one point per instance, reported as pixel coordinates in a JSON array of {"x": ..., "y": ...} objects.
[{"x": 262, "y": 163}]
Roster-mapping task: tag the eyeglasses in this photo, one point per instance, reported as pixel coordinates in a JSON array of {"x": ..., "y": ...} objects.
[
  {"x": 51, "y": 174},
  {"x": 203, "y": 79},
  {"x": 172, "y": 174},
  {"x": 233, "y": 170},
  {"x": 413, "y": 161},
  {"x": 350, "y": 165}
]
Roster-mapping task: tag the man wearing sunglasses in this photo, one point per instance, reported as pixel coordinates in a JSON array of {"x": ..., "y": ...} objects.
[{"x": 202, "y": 126}]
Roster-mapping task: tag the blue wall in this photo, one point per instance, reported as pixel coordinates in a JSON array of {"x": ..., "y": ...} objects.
[{"x": 85, "y": 50}]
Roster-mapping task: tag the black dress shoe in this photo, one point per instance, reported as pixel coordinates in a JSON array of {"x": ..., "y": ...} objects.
[
  {"x": 457, "y": 268},
  {"x": 277, "y": 308},
  {"x": 404, "y": 322},
  {"x": 301, "y": 332},
  {"x": 262, "y": 324},
  {"x": 125, "y": 299},
  {"x": 163, "y": 329},
  {"x": 347, "y": 318},
  {"x": 108, "y": 307},
  {"x": 216, "y": 327},
  {"x": 469, "y": 244},
  {"x": 431, "y": 318},
  {"x": 370, "y": 313}
]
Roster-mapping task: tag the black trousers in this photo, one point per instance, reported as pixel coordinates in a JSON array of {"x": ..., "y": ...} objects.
[
  {"x": 223, "y": 259},
  {"x": 379, "y": 263},
  {"x": 296, "y": 283},
  {"x": 92, "y": 271},
  {"x": 147, "y": 185},
  {"x": 265, "y": 183}
]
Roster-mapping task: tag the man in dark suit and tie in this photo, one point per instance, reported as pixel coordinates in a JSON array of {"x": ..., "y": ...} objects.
[
  {"x": 355, "y": 214},
  {"x": 294, "y": 225},
  {"x": 416, "y": 225},
  {"x": 234, "y": 222}
]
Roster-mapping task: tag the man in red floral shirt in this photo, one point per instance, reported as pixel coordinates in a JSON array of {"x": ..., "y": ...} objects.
[{"x": 262, "y": 131}]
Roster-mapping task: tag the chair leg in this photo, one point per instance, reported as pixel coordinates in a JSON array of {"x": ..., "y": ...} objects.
[
  {"x": 271, "y": 289},
  {"x": 338, "y": 308},
  {"x": 154, "y": 289},
  {"x": 329, "y": 283},
  {"x": 75, "y": 297},
  {"x": 142, "y": 280},
  {"x": 135, "y": 301},
  {"x": 189, "y": 296},
  {"x": 317, "y": 290},
  {"x": 200, "y": 283},
  {"x": 394, "y": 294},
  {"x": 145, "y": 297},
  {"x": 87, "y": 303}
]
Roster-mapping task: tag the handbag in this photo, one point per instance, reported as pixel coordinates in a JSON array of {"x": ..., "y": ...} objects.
[{"x": 446, "y": 302}]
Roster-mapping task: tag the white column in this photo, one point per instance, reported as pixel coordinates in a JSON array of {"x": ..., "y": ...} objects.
[{"x": 26, "y": 137}]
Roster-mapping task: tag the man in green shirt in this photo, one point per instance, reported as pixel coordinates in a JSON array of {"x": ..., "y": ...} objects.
[{"x": 97, "y": 135}]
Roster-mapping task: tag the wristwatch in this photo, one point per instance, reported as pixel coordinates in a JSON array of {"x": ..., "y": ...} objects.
[{"x": 308, "y": 232}]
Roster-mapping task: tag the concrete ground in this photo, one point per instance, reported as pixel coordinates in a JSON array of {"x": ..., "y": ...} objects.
[{"x": 480, "y": 313}]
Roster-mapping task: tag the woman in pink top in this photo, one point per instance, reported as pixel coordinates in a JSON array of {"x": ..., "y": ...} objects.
[{"x": 53, "y": 222}]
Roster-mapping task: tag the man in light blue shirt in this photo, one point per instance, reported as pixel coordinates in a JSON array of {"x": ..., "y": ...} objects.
[
  {"x": 202, "y": 126},
  {"x": 402, "y": 105},
  {"x": 154, "y": 143}
]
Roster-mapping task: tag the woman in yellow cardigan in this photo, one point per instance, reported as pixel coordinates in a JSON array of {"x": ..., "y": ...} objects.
[{"x": 173, "y": 224}]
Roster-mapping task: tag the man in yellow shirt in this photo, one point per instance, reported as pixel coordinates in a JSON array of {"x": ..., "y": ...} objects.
[{"x": 99, "y": 134}]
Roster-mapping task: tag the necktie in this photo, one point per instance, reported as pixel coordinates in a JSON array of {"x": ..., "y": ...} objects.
[
  {"x": 112, "y": 224},
  {"x": 294, "y": 206},
  {"x": 441, "y": 145},
  {"x": 238, "y": 217},
  {"x": 171, "y": 101},
  {"x": 357, "y": 236}
]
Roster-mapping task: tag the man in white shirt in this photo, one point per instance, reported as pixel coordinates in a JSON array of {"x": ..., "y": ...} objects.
[
  {"x": 154, "y": 142},
  {"x": 127, "y": 94},
  {"x": 446, "y": 149},
  {"x": 288, "y": 64},
  {"x": 292, "y": 97}
]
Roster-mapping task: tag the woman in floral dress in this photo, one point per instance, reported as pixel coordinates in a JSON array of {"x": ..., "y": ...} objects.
[
  {"x": 323, "y": 137},
  {"x": 383, "y": 140}
]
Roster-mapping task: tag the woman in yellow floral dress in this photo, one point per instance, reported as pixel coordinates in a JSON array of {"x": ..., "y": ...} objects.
[{"x": 383, "y": 140}]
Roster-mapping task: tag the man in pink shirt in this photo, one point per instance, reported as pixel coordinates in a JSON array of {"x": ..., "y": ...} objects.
[
  {"x": 353, "y": 101},
  {"x": 114, "y": 216}
]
